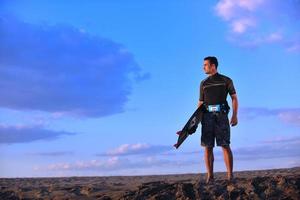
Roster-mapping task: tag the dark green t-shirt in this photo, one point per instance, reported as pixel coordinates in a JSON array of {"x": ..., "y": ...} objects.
[{"x": 214, "y": 89}]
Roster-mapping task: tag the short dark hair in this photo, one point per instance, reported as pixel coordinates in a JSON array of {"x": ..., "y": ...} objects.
[{"x": 212, "y": 60}]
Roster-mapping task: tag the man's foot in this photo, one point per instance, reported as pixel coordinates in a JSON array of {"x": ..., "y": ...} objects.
[
  {"x": 210, "y": 180},
  {"x": 230, "y": 179}
]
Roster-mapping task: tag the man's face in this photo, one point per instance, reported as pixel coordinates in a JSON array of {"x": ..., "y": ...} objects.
[{"x": 207, "y": 67}]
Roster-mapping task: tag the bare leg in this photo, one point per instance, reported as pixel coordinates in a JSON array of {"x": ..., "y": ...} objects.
[
  {"x": 228, "y": 159},
  {"x": 209, "y": 162}
]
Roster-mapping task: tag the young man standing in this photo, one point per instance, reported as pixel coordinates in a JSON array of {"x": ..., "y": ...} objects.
[{"x": 215, "y": 122}]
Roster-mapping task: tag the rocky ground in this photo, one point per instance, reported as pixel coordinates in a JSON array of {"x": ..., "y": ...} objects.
[{"x": 263, "y": 184}]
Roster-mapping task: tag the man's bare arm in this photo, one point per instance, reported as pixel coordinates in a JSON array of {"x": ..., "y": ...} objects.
[
  {"x": 200, "y": 103},
  {"x": 234, "y": 119}
]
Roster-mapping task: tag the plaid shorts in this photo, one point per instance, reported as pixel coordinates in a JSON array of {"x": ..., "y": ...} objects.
[{"x": 215, "y": 125}]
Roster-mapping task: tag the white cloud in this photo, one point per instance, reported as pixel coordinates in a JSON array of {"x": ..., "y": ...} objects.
[
  {"x": 114, "y": 163},
  {"x": 273, "y": 148},
  {"x": 253, "y": 23},
  {"x": 230, "y": 9},
  {"x": 128, "y": 148},
  {"x": 137, "y": 149},
  {"x": 249, "y": 4},
  {"x": 241, "y": 25},
  {"x": 224, "y": 8}
]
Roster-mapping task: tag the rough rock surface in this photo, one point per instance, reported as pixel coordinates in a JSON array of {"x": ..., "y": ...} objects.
[{"x": 263, "y": 184}]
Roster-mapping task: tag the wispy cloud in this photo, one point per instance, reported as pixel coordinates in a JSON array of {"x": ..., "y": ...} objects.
[
  {"x": 294, "y": 163},
  {"x": 283, "y": 140},
  {"x": 276, "y": 148},
  {"x": 10, "y": 134},
  {"x": 52, "y": 154},
  {"x": 120, "y": 159},
  {"x": 258, "y": 22},
  {"x": 115, "y": 163},
  {"x": 137, "y": 149},
  {"x": 63, "y": 70},
  {"x": 231, "y": 9},
  {"x": 241, "y": 25},
  {"x": 287, "y": 115},
  {"x": 294, "y": 47}
]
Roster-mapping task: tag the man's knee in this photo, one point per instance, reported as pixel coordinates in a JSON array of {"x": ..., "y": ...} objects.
[
  {"x": 209, "y": 149},
  {"x": 209, "y": 152},
  {"x": 226, "y": 148}
]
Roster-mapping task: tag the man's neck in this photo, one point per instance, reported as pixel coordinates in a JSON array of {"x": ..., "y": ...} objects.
[{"x": 213, "y": 73}]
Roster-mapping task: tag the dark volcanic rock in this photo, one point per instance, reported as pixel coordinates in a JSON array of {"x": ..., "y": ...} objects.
[
  {"x": 243, "y": 188},
  {"x": 280, "y": 184}
]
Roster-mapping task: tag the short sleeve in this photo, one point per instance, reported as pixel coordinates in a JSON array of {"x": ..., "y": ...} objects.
[
  {"x": 230, "y": 87},
  {"x": 201, "y": 94}
]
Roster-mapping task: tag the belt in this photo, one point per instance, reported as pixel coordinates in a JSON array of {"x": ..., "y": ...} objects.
[{"x": 217, "y": 108}]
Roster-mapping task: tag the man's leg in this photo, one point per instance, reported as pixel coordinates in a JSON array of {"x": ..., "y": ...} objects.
[
  {"x": 209, "y": 162},
  {"x": 228, "y": 158}
]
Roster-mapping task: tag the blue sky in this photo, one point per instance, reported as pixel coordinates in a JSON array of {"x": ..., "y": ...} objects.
[{"x": 101, "y": 88}]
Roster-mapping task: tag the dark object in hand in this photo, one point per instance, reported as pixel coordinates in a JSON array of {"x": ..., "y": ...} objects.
[
  {"x": 191, "y": 126},
  {"x": 193, "y": 129}
]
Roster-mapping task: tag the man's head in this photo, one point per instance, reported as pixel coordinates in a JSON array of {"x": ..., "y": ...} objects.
[{"x": 210, "y": 65}]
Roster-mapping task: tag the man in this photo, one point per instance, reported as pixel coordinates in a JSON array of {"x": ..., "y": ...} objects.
[{"x": 215, "y": 123}]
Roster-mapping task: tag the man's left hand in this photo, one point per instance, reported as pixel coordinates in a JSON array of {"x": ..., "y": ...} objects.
[
  {"x": 193, "y": 129},
  {"x": 233, "y": 120}
]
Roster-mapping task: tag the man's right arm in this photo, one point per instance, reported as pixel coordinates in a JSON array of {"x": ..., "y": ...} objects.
[
  {"x": 234, "y": 119},
  {"x": 200, "y": 103},
  {"x": 201, "y": 95}
]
